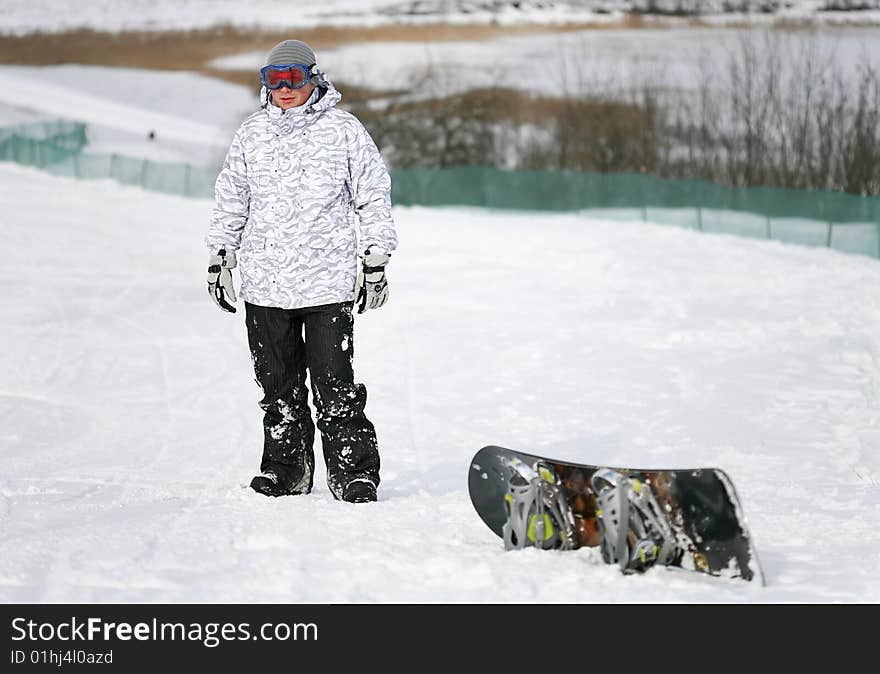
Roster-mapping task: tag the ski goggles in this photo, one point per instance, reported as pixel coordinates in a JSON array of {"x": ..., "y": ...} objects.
[{"x": 291, "y": 75}]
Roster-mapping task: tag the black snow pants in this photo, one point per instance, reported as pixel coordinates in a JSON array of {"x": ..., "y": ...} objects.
[{"x": 284, "y": 344}]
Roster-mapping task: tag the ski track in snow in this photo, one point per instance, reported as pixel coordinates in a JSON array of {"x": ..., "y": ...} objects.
[{"x": 130, "y": 425}]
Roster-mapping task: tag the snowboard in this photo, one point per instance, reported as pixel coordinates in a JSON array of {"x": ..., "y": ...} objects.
[{"x": 687, "y": 518}]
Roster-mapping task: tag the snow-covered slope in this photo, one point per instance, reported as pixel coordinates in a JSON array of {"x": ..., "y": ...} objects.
[
  {"x": 24, "y": 16},
  {"x": 192, "y": 117},
  {"x": 129, "y": 420}
]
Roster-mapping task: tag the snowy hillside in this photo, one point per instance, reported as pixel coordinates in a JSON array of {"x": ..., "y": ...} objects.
[
  {"x": 183, "y": 132},
  {"x": 129, "y": 423},
  {"x": 580, "y": 62},
  {"x": 24, "y": 16}
]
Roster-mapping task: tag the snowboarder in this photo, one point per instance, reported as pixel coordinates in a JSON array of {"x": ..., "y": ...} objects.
[{"x": 296, "y": 172}]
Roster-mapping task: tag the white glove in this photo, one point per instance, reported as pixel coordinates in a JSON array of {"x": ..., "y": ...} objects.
[
  {"x": 371, "y": 289},
  {"x": 220, "y": 279}
]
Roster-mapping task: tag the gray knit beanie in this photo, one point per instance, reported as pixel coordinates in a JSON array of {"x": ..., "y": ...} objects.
[{"x": 291, "y": 51}]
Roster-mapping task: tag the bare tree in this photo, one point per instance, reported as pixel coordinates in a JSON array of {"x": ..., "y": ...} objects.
[{"x": 779, "y": 110}]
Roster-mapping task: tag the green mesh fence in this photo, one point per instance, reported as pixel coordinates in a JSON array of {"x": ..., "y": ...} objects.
[
  {"x": 58, "y": 147},
  {"x": 809, "y": 217},
  {"x": 42, "y": 144},
  {"x": 578, "y": 190}
]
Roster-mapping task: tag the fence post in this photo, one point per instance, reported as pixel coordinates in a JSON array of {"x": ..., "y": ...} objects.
[
  {"x": 186, "y": 179},
  {"x": 143, "y": 184},
  {"x": 828, "y": 240}
]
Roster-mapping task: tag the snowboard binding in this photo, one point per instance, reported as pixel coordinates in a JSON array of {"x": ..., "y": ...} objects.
[
  {"x": 538, "y": 513},
  {"x": 635, "y": 533}
]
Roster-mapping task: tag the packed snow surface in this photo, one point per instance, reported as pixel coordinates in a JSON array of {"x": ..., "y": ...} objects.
[{"x": 129, "y": 425}]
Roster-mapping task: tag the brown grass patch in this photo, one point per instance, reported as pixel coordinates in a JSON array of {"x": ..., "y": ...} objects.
[
  {"x": 512, "y": 105},
  {"x": 189, "y": 50},
  {"x": 195, "y": 49}
]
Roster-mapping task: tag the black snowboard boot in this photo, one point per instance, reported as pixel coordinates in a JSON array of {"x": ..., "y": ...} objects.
[
  {"x": 271, "y": 483},
  {"x": 359, "y": 491}
]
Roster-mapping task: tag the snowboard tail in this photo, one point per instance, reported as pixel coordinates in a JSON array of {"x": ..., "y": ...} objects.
[{"x": 690, "y": 518}]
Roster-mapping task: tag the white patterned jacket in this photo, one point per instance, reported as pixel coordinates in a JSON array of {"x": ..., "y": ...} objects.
[{"x": 300, "y": 193}]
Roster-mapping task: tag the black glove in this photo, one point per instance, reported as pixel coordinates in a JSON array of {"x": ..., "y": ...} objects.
[
  {"x": 220, "y": 279},
  {"x": 371, "y": 289}
]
